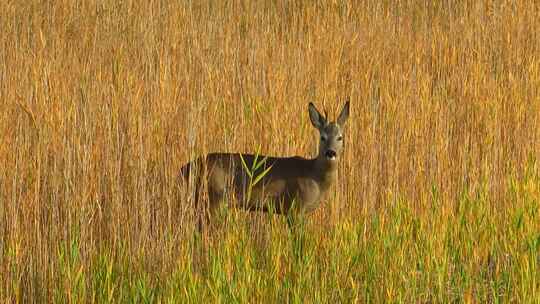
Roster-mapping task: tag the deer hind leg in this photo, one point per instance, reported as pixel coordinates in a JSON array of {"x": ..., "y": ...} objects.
[
  {"x": 215, "y": 200},
  {"x": 210, "y": 208},
  {"x": 200, "y": 210}
]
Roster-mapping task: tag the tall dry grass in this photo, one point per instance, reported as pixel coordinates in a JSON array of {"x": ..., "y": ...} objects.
[{"x": 103, "y": 101}]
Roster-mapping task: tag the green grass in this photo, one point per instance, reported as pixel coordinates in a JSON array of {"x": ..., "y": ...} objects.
[{"x": 477, "y": 251}]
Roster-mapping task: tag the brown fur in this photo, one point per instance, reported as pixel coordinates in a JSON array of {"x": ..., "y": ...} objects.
[{"x": 290, "y": 182}]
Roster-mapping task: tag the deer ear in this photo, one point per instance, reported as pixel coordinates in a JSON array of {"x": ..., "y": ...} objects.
[
  {"x": 342, "y": 118},
  {"x": 317, "y": 120}
]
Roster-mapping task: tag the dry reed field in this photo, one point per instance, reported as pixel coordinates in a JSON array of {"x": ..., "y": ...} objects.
[{"x": 437, "y": 196}]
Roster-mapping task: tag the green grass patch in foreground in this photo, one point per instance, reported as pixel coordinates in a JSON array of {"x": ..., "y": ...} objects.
[{"x": 471, "y": 251}]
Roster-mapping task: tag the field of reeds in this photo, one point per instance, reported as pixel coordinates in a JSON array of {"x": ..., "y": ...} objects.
[{"x": 437, "y": 198}]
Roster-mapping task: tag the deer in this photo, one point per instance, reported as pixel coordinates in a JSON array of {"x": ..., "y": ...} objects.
[{"x": 281, "y": 185}]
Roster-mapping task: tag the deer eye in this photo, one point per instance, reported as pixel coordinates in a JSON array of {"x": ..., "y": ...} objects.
[
  {"x": 340, "y": 138},
  {"x": 323, "y": 138}
]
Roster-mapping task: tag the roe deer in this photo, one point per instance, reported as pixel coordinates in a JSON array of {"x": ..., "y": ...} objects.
[{"x": 282, "y": 184}]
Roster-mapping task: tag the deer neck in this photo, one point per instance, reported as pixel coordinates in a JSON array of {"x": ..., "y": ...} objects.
[{"x": 325, "y": 171}]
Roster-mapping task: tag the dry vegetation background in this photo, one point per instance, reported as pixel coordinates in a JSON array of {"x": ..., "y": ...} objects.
[{"x": 103, "y": 101}]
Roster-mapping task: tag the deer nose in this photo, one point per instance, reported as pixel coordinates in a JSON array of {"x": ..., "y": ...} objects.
[{"x": 331, "y": 154}]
